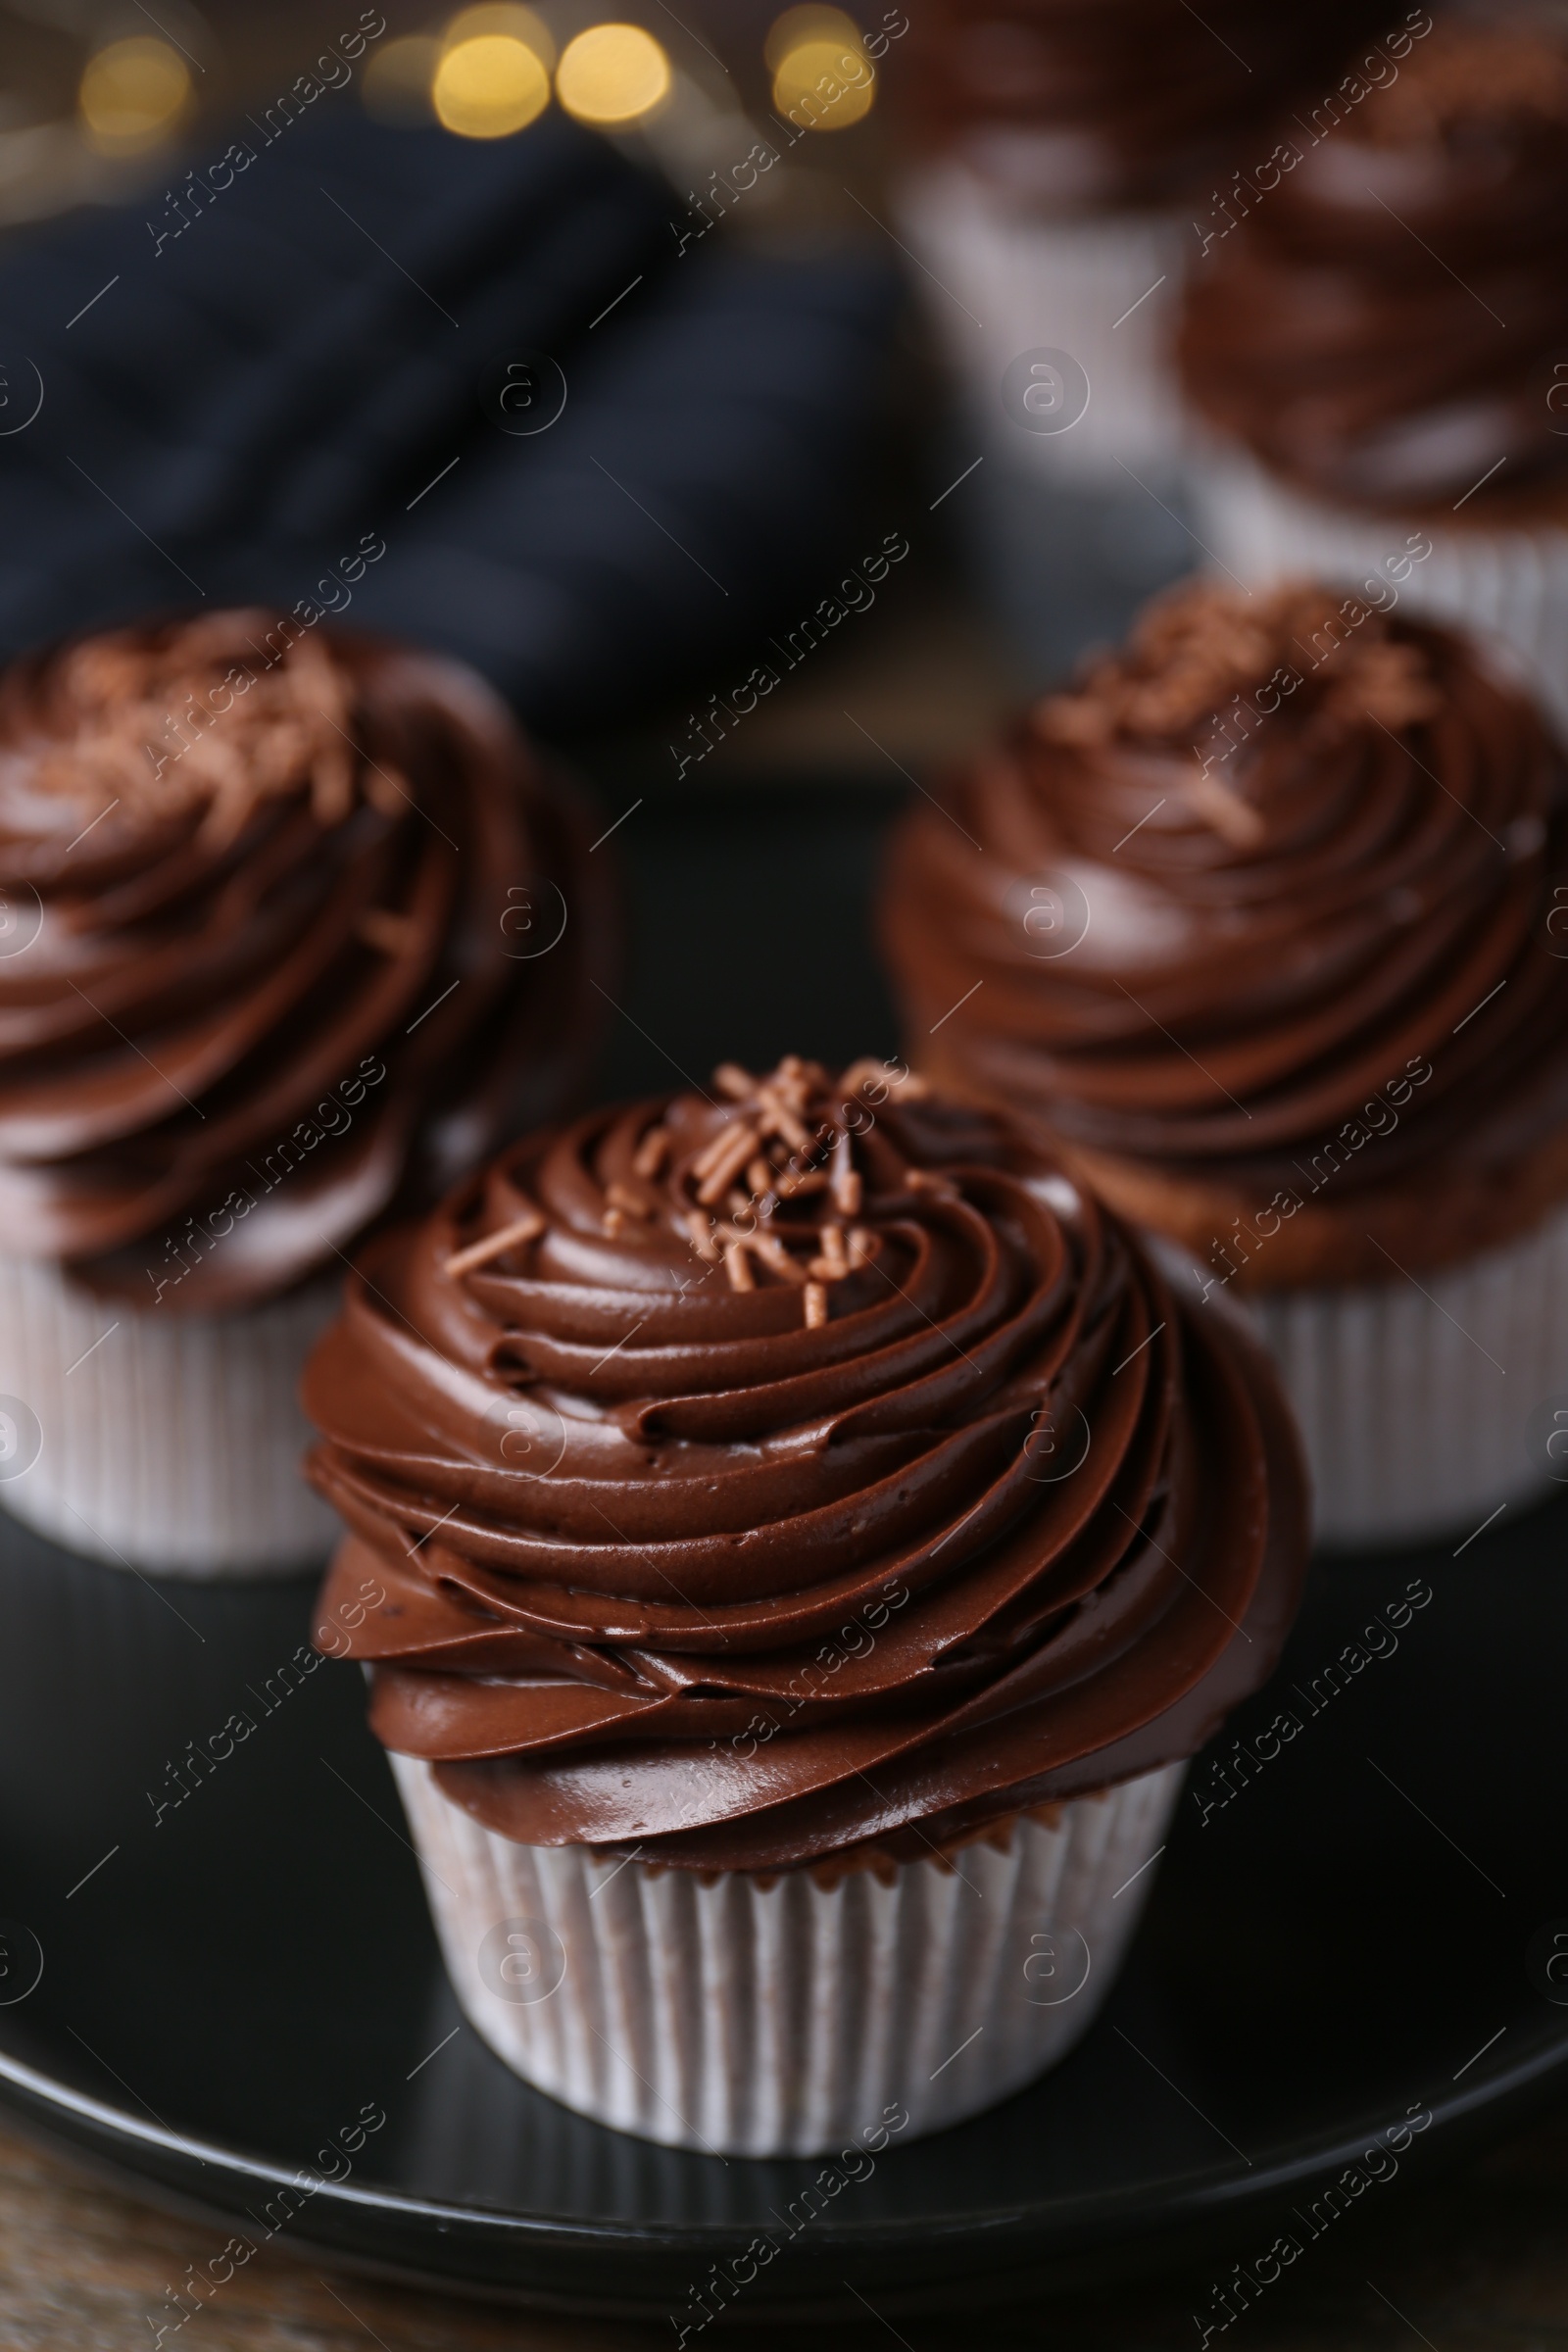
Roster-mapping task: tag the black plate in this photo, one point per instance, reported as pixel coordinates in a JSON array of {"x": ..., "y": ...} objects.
[{"x": 230, "y": 1984}]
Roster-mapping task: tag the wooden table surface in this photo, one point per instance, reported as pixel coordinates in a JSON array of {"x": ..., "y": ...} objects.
[{"x": 1474, "y": 2262}]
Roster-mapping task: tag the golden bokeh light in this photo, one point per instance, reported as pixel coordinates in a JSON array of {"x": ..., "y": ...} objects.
[
  {"x": 133, "y": 94},
  {"x": 507, "y": 18},
  {"x": 612, "y": 74},
  {"x": 489, "y": 86},
  {"x": 825, "y": 83},
  {"x": 797, "y": 26},
  {"x": 397, "y": 79}
]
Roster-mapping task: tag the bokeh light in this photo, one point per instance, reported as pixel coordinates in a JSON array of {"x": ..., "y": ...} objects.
[
  {"x": 826, "y": 82},
  {"x": 505, "y": 16},
  {"x": 612, "y": 74},
  {"x": 133, "y": 94},
  {"x": 797, "y": 26},
  {"x": 489, "y": 86},
  {"x": 398, "y": 75}
]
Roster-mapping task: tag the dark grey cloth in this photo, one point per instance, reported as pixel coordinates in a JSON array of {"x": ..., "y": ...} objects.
[{"x": 270, "y": 391}]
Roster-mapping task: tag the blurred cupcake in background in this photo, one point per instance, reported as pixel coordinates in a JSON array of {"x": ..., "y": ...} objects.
[
  {"x": 1059, "y": 151},
  {"x": 295, "y": 933},
  {"x": 765, "y": 1510},
  {"x": 1260, "y": 926},
  {"x": 1382, "y": 345}
]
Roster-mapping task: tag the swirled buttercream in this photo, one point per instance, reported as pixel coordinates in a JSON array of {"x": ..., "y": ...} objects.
[
  {"x": 747, "y": 1480},
  {"x": 1275, "y": 882},
  {"x": 1111, "y": 101},
  {"x": 263, "y": 975},
  {"x": 1389, "y": 326}
]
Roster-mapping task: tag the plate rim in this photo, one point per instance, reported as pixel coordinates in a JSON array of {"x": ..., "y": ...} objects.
[{"x": 1090, "y": 2218}]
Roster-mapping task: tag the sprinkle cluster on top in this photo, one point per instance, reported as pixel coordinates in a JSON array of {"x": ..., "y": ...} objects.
[
  {"x": 202, "y": 717},
  {"x": 1197, "y": 648},
  {"x": 773, "y": 1195}
]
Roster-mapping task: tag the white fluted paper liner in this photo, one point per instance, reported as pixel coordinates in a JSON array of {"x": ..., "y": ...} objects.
[
  {"x": 1104, "y": 286},
  {"x": 768, "y": 2017},
  {"x": 1420, "y": 1401},
  {"x": 164, "y": 1442},
  {"x": 1509, "y": 584}
]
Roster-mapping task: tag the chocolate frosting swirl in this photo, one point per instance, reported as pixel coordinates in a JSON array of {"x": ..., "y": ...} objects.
[
  {"x": 756, "y": 1481},
  {"x": 1389, "y": 325},
  {"x": 261, "y": 980},
  {"x": 1275, "y": 855},
  {"x": 1107, "y": 101}
]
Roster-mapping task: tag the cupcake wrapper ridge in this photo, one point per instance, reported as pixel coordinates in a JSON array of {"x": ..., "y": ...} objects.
[
  {"x": 1511, "y": 584},
  {"x": 156, "y": 1440},
  {"x": 1425, "y": 1403},
  {"x": 1102, "y": 287},
  {"x": 752, "y": 2016}
]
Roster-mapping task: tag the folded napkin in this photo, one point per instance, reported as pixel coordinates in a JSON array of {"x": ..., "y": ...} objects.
[{"x": 289, "y": 388}]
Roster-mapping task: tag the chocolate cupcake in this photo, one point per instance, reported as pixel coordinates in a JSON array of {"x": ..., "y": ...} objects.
[
  {"x": 1378, "y": 338},
  {"x": 287, "y": 949},
  {"x": 1260, "y": 926},
  {"x": 1060, "y": 149},
  {"x": 797, "y": 1540}
]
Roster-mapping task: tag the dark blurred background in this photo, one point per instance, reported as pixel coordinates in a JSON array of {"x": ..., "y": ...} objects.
[{"x": 623, "y": 404}]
